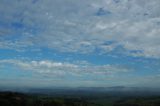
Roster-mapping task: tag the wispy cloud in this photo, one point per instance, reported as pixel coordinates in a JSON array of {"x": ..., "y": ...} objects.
[
  {"x": 84, "y": 26},
  {"x": 78, "y": 69}
]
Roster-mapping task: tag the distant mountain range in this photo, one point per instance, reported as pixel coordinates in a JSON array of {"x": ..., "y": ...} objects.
[{"x": 82, "y": 89}]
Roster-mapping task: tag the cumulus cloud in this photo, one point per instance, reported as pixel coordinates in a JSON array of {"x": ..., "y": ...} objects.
[
  {"x": 52, "y": 68},
  {"x": 83, "y": 26}
]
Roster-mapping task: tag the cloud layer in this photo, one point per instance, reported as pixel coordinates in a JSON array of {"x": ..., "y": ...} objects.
[
  {"x": 78, "y": 69},
  {"x": 82, "y": 26}
]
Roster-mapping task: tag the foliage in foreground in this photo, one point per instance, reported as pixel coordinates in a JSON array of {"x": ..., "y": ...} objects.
[{"x": 19, "y": 99}]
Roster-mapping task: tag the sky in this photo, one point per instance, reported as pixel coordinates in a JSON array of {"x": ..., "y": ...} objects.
[{"x": 79, "y": 43}]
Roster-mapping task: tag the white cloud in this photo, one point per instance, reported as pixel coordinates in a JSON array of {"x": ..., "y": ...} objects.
[
  {"x": 52, "y": 68},
  {"x": 73, "y": 26}
]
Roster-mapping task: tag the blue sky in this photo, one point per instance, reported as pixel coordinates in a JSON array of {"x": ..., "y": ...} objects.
[{"x": 75, "y": 43}]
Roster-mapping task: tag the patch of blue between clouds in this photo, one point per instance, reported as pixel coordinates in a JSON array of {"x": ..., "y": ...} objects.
[
  {"x": 93, "y": 58},
  {"x": 103, "y": 12}
]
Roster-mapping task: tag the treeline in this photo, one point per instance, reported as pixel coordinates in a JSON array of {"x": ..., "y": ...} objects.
[
  {"x": 18, "y": 99},
  {"x": 155, "y": 101}
]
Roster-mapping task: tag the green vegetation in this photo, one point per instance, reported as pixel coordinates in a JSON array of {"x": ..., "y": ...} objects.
[{"x": 19, "y": 99}]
